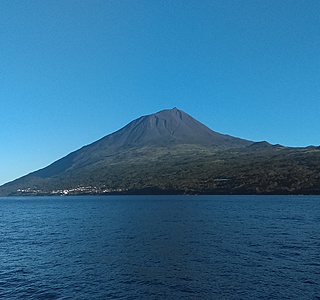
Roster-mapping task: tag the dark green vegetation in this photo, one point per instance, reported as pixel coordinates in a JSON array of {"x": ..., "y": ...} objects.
[{"x": 170, "y": 152}]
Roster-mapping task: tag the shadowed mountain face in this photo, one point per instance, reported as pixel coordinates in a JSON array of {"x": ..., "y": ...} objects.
[{"x": 171, "y": 152}]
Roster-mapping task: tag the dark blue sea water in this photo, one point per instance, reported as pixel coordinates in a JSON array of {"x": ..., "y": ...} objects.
[{"x": 160, "y": 247}]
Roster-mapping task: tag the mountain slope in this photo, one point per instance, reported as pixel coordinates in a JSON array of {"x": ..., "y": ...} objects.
[{"x": 171, "y": 152}]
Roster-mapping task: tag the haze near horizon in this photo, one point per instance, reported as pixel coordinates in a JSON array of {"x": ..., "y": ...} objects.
[{"x": 75, "y": 71}]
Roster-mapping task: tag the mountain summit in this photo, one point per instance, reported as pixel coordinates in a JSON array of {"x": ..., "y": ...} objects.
[
  {"x": 171, "y": 152},
  {"x": 168, "y": 127}
]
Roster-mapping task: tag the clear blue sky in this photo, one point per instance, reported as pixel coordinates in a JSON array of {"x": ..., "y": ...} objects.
[{"x": 74, "y": 71}]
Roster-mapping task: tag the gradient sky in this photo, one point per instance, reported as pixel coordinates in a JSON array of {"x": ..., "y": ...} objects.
[{"x": 73, "y": 71}]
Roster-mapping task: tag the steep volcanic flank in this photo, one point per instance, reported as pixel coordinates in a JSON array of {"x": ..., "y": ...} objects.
[{"x": 168, "y": 127}]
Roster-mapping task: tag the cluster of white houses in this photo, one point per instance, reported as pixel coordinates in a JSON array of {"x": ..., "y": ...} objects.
[{"x": 73, "y": 191}]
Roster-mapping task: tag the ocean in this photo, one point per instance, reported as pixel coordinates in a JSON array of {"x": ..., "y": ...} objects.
[{"x": 160, "y": 247}]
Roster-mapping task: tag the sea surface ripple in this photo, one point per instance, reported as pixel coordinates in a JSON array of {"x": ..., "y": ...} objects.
[{"x": 160, "y": 247}]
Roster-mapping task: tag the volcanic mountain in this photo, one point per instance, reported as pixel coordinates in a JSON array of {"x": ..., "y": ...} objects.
[
  {"x": 171, "y": 152},
  {"x": 163, "y": 129}
]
